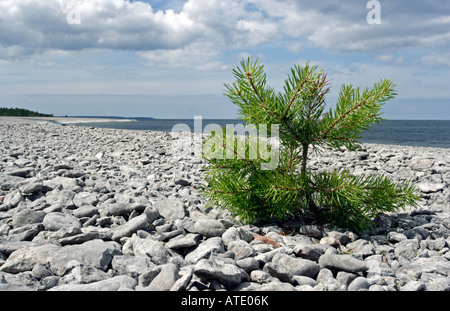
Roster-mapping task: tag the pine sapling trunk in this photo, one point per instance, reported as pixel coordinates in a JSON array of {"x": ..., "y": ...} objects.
[
  {"x": 312, "y": 206},
  {"x": 304, "y": 158}
]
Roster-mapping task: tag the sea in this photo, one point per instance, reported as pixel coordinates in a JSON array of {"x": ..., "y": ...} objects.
[{"x": 424, "y": 133}]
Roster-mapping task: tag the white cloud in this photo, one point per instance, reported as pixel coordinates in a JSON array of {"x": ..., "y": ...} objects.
[
  {"x": 119, "y": 24},
  {"x": 39, "y": 25},
  {"x": 197, "y": 56},
  {"x": 342, "y": 26},
  {"x": 390, "y": 58},
  {"x": 192, "y": 38},
  {"x": 436, "y": 59},
  {"x": 385, "y": 58},
  {"x": 30, "y": 27}
]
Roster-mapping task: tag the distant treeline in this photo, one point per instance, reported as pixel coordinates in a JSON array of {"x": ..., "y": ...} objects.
[{"x": 19, "y": 112}]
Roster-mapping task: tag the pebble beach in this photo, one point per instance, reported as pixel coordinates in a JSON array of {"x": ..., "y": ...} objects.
[{"x": 92, "y": 209}]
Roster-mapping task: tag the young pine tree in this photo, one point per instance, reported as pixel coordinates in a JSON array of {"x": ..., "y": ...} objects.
[{"x": 305, "y": 127}]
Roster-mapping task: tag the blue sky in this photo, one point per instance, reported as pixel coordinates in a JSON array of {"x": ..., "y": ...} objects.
[{"x": 170, "y": 59}]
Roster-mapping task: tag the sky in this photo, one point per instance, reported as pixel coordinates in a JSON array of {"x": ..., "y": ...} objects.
[{"x": 170, "y": 59}]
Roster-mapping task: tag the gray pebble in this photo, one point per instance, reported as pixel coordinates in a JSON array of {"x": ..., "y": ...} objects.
[{"x": 56, "y": 220}]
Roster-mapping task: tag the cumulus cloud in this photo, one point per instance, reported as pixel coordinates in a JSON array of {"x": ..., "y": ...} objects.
[
  {"x": 207, "y": 27},
  {"x": 342, "y": 26},
  {"x": 36, "y": 26},
  {"x": 112, "y": 24}
]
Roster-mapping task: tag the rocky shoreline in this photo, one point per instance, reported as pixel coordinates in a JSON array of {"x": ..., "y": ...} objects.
[{"x": 99, "y": 209}]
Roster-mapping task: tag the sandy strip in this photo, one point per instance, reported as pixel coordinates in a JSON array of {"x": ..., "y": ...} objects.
[{"x": 61, "y": 120}]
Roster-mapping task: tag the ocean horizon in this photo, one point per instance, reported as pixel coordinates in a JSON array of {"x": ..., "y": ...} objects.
[{"x": 423, "y": 133}]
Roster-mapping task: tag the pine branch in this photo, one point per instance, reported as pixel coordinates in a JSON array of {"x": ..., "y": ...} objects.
[
  {"x": 354, "y": 113},
  {"x": 301, "y": 82},
  {"x": 353, "y": 108}
]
